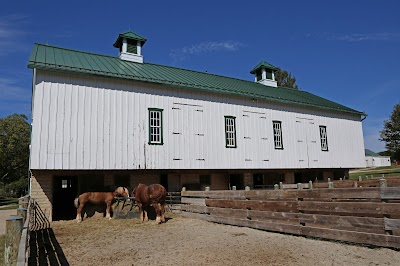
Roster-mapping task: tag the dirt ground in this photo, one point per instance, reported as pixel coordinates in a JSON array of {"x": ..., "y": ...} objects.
[{"x": 182, "y": 241}]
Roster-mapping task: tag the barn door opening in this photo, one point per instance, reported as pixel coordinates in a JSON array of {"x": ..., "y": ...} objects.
[
  {"x": 64, "y": 192},
  {"x": 236, "y": 180},
  {"x": 164, "y": 181}
]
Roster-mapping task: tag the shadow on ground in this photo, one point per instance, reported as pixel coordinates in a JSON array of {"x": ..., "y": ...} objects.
[{"x": 44, "y": 248}]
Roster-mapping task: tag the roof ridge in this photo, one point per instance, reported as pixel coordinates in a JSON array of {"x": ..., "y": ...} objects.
[
  {"x": 190, "y": 70},
  {"x": 74, "y": 50}
]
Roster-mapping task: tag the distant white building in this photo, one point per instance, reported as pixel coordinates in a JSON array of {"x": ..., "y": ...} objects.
[
  {"x": 100, "y": 121},
  {"x": 373, "y": 159}
]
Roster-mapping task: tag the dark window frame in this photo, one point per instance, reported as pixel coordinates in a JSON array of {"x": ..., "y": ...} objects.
[
  {"x": 276, "y": 140},
  {"x": 323, "y": 147},
  {"x": 233, "y": 118},
  {"x": 161, "y": 142}
]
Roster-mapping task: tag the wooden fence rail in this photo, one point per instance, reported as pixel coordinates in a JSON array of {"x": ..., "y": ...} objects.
[{"x": 360, "y": 215}]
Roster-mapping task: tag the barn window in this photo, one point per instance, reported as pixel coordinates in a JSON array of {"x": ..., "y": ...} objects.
[
  {"x": 230, "y": 132},
  {"x": 155, "y": 126},
  {"x": 324, "y": 138},
  {"x": 277, "y": 125}
]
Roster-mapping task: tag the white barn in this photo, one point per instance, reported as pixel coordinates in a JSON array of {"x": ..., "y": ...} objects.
[
  {"x": 99, "y": 121},
  {"x": 373, "y": 159}
]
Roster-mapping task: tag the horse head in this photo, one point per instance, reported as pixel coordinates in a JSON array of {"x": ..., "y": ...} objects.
[{"x": 122, "y": 191}]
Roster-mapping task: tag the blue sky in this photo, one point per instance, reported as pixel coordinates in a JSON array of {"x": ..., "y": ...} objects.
[{"x": 345, "y": 51}]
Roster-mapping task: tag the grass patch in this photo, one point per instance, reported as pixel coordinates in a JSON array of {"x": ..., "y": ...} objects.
[
  {"x": 8, "y": 201},
  {"x": 388, "y": 171},
  {"x": 2, "y": 240},
  {"x": 12, "y": 207}
]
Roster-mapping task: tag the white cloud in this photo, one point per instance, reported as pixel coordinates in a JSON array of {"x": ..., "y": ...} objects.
[
  {"x": 10, "y": 33},
  {"x": 204, "y": 47},
  {"x": 360, "y": 37}
]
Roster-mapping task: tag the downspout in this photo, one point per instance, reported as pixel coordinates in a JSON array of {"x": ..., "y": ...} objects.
[{"x": 30, "y": 141}]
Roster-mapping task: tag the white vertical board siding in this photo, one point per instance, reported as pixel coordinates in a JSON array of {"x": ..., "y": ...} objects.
[{"x": 89, "y": 122}]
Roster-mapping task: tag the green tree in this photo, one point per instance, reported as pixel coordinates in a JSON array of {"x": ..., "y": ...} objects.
[
  {"x": 285, "y": 79},
  {"x": 391, "y": 133},
  {"x": 14, "y": 148}
]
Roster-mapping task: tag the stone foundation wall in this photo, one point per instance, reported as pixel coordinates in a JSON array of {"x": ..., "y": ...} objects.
[{"x": 42, "y": 192}]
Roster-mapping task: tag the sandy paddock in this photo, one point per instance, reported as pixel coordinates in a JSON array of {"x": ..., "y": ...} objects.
[{"x": 182, "y": 241}]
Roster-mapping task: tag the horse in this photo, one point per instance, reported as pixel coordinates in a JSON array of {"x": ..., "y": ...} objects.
[
  {"x": 98, "y": 198},
  {"x": 154, "y": 195}
]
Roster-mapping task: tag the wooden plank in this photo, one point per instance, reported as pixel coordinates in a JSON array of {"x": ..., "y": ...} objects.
[
  {"x": 356, "y": 237},
  {"x": 229, "y": 213},
  {"x": 287, "y": 206},
  {"x": 275, "y": 227},
  {"x": 350, "y": 208},
  {"x": 320, "y": 185},
  {"x": 369, "y": 183},
  {"x": 195, "y": 201},
  {"x": 351, "y": 223},
  {"x": 345, "y": 193},
  {"x": 391, "y": 193},
  {"x": 194, "y": 208},
  {"x": 392, "y": 224},
  {"x": 271, "y": 194},
  {"x": 393, "y": 182},
  {"x": 215, "y": 194},
  {"x": 289, "y": 186}
]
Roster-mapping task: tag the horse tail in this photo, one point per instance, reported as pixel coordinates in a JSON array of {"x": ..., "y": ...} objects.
[{"x": 76, "y": 202}]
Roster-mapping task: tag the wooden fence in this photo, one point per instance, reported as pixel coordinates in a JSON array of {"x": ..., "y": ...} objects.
[
  {"x": 375, "y": 182},
  {"x": 360, "y": 215}
]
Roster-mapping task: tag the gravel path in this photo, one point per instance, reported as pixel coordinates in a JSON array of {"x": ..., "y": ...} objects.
[{"x": 183, "y": 241}]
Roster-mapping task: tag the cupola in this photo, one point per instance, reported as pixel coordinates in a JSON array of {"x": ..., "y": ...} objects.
[
  {"x": 130, "y": 46},
  {"x": 265, "y": 74}
]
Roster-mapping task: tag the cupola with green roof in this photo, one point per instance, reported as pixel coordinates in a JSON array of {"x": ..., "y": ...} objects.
[
  {"x": 265, "y": 74},
  {"x": 130, "y": 46}
]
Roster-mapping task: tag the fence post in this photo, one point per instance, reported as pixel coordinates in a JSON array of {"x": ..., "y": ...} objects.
[
  {"x": 359, "y": 179},
  {"x": 247, "y": 188},
  {"x": 382, "y": 182},
  {"x": 341, "y": 179},
  {"x": 299, "y": 186},
  {"x": 207, "y": 188},
  {"x": 276, "y": 187},
  {"x": 280, "y": 185},
  {"x": 310, "y": 185},
  {"x": 22, "y": 212},
  {"x": 330, "y": 184},
  {"x": 13, "y": 236},
  {"x": 183, "y": 188}
]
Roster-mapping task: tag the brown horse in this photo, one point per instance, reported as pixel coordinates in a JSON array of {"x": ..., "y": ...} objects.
[
  {"x": 150, "y": 195},
  {"x": 98, "y": 198}
]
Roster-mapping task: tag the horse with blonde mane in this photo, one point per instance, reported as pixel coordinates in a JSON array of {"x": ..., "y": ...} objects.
[{"x": 98, "y": 198}]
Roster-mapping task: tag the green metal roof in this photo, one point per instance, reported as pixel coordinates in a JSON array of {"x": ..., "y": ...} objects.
[
  {"x": 129, "y": 35},
  {"x": 263, "y": 64},
  {"x": 54, "y": 58}
]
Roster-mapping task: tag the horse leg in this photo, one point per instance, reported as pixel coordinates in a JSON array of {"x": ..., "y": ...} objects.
[
  {"x": 79, "y": 211},
  {"x": 141, "y": 211},
  {"x": 146, "y": 218},
  {"x": 158, "y": 212},
  {"x": 162, "y": 212},
  {"x": 108, "y": 210}
]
